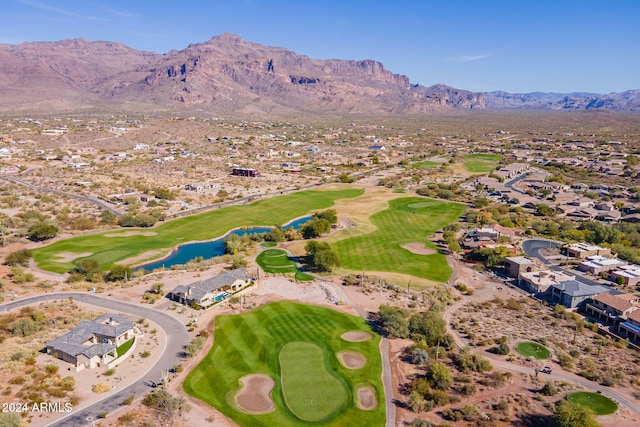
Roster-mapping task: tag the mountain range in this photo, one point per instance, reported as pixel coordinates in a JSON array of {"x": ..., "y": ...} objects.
[{"x": 229, "y": 75}]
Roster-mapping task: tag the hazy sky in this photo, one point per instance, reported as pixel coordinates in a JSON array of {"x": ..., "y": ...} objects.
[{"x": 479, "y": 45}]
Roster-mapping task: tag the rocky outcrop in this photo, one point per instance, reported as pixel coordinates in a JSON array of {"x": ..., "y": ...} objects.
[{"x": 229, "y": 75}]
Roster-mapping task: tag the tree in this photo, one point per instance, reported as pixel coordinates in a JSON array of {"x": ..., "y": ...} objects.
[
  {"x": 330, "y": 215},
  {"x": 315, "y": 228},
  {"x": 570, "y": 414},
  {"x": 164, "y": 404},
  {"x": 345, "y": 178},
  {"x": 86, "y": 269},
  {"x": 42, "y": 231},
  {"x": 428, "y": 326},
  {"x": 326, "y": 260},
  {"x": 439, "y": 376},
  {"x": 164, "y": 193},
  {"x": 394, "y": 320},
  {"x": 118, "y": 272},
  {"x": 544, "y": 209},
  {"x": 232, "y": 244}
]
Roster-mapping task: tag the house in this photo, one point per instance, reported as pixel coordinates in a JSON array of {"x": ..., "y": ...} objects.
[
  {"x": 631, "y": 328},
  {"x": 629, "y": 275},
  {"x": 200, "y": 186},
  {"x": 516, "y": 265},
  {"x": 635, "y": 218},
  {"x": 574, "y": 294},
  {"x": 93, "y": 343},
  {"x": 596, "y": 264},
  {"x": 612, "y": 308},
  {"x": 583, "y": 250},
  {"x": 245, "y": 172},
  {"x": 205, "y": 293},
  {"x": 541, "y": 281},
  {"x": 377, "y": 148}
]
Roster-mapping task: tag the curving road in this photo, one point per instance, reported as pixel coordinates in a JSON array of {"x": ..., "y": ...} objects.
[
  {"x": 177, "y": 339},
  {"x": 532, "y": 248},
  {"x": 72, "y": 195}
]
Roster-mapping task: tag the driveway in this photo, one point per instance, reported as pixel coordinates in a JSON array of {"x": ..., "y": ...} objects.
[{"x": 177, "y": 339}]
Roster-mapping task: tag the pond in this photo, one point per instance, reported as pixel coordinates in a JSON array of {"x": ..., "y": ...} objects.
[{"x": 213, "y": 248}]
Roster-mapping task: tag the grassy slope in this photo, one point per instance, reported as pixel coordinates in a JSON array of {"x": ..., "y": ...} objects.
[
  {"x": 276, "y": 261},
  {"x": 481, "y": 163},
  {"x": 251, "y": 343},
  {"x": 206, "y": 226},
  {"x": 529, "y": 349},
  {"x": 380, "y": 249},
  {"x": 600, "y": 404}
]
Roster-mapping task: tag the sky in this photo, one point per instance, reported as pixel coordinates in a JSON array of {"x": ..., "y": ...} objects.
[{"x": 478, "y": 45}]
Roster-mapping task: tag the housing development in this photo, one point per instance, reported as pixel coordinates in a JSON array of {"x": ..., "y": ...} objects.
[{"x": 235, "y": 234}]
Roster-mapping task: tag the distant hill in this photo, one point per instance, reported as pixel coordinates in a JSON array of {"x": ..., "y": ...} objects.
[{"x": 229, "y": 75}]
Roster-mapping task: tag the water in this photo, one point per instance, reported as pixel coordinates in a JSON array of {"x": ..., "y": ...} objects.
[{"x": 211, "y": 249}]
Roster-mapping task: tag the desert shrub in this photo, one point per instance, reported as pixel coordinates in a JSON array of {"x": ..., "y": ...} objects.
[
  {"x": 549, "y": 389},
  {"x": 502, "y": 349},
  {"x": 51, "y": 369},
  {"x": 101, "y": 388}
]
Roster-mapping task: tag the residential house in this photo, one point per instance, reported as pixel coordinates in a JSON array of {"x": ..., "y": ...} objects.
[
  {"x": 612, "y": 308},
  {"x": 631, "y": 328},
  {"x": 541, "y": 281},
  {"x": 245, "y": 172},
  {"x": 515, "y": 266},
  {"x": 629, "y": 275},
  {"x": 93, "y": 343},
  {"x": 596, "y": 264},
  {"x": 205, "y": 293},
  {"x": 574, "y": 294},
  {"x": 583, "y": 250}
]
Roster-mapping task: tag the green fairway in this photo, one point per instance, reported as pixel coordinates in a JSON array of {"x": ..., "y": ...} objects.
[
  {"x": 533, "y": 349},
  {"x": 426, "y": 164},
  {"x": 114, "y": 246},
  {"x": 296, "y": 345},
  {"x": 311, "y": 392},
  {"x": 481, "y": 163},
  {"x": 407, "y": 220},
  {"x": 598, "y": 403}
]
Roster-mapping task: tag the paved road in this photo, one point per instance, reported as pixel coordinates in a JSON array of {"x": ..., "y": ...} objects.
[
  {"x": 177, "y": 339},
  {"x": 509, "y": 184},
  {"x": 532, "y": 248},
  {"x": 51, "y": 190},
  {"x": 386, "y": 364},
  {"x": 563, "y": 376}
]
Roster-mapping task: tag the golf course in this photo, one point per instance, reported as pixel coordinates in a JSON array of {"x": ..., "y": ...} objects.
[
  {"x": 404, "y": 221},
  {"x": 118, "y": 246},
  {"x": 289, "y": 364}
]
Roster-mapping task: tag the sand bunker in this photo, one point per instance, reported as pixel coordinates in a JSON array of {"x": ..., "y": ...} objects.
[
  {"x": 352, "y": 359},
  {"x": 356, "y": 336},
  {"x": 141, "y": 257},
  {"x": 255, "y": 396},
  {"x": 418, "y": 248},
  {"x": 367, "y": 398},
  {"x": 70, "y": 256},
  {"x": 132, "y": 233}
]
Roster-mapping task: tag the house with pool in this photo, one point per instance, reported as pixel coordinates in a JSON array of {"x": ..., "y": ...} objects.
[{"x": 205, "y": 293}]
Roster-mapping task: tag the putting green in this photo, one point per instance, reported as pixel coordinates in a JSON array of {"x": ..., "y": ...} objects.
[
  {"x": 276, "y": 261},
  {"x": 533, "y": 349},
  {"x": 295, "y": 345},
  {"x": 310, "y": 391},
  {"x": 598, "y": 403}
]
